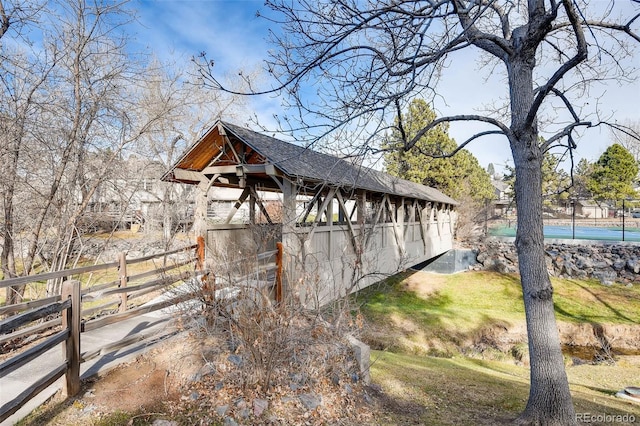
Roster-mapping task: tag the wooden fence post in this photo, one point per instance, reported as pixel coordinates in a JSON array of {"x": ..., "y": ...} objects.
[
  {"x": 200, "y": 254},
  {"x": 71, "y": 347},
  {"x": 122, "y": 269},
  {"x": 279, "y": 259}
]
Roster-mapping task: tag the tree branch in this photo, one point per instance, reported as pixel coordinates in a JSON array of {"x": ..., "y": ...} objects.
[
  {"x": 581, "y": 55},
  {"x": 497, "y": 46},
  {"x": 503, "y": 129},
  {"x": 461, "y": 146},
  {"x": 566, "y": 132}
]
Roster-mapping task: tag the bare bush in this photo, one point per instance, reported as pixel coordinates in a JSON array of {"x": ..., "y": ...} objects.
[{"x": 269, "y": 342}]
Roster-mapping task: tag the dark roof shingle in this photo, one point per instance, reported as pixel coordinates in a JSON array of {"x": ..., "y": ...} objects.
[{"x": 297, "y": 161}]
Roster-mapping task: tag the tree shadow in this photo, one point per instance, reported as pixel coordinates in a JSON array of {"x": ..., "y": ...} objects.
[{"x": 606, "y": 304}]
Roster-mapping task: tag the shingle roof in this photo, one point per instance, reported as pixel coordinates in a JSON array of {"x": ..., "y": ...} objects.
[
  {"x": 309, "y": 165},
  {"x": 297, "y": 161}
]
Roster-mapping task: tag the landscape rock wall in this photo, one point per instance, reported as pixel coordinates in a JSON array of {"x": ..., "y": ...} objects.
[{"x": 607, "y": 263}]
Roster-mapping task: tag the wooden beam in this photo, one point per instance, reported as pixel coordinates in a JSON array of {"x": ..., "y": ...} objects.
[
  {"x": 396, "y": 230},
  {"x": 354, "y": 239},
  {"x": 71, "y": 347},
  {"x": 210, "y": 170},
  {"x": 122, "y": 271},
  {"x": 190, "y": 175},
  {"x": 237, "y": 205},
  {"x": 233, "y": 150},
  {"x": 376, "y": 219},
  {"x": 279, "y": 183},
  {"x": 309, "y": 207},
  {"x": 252, "y": 209},
  {"x": 325, "y": 203},
  {"x": 240, "y": 169},
  {"x": 252, "y": 190},
  {"x": 361, "y": 207}
]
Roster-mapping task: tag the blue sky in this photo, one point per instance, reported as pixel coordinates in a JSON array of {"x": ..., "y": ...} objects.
[{"x": 231, "y": 33}]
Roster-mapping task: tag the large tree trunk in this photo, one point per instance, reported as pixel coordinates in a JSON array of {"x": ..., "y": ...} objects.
[{"x": 549, "y": 397}]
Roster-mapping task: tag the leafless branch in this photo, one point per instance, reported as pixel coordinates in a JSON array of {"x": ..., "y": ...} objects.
[{"x": 503, "y": 128}]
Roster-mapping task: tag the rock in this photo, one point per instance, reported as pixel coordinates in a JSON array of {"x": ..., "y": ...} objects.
[
  {"x": 569, "y": 268},
  {"x": 222, "y": 410},
  {"x": 228, "y": 421},
  {"x": 310, "y": 401},
  {"x": 335, "y": 379},
  {"x": 619, "y": 264},
  {"x": 259, "y": 406},
  {"x": 605, "y": 277},
  {"x": 89, "y": 409},
  {"x": 362, "y": 353},
  {"x": 207, "y": 370},
  {"x": 601, "y": 264},
  {"x": 235, "y": 359},
  {"x": 501, "y": 266},
  {"x": 241, "y": 403},
  {"x": 583, "y": 262},
  {"x": 162, "y": 422},
  {"x": 482, "y": 257},
  {"x": 633, "y": 265},
  {"x": 553, "y": 253},
  {"x": 511, "y": 256},
  {"x": 582, "y": 274}
]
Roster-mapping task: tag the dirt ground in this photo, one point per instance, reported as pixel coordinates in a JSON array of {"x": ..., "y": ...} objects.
[
  {"x": 173, "y": 382},
  {"x": 145, "y": 387}
]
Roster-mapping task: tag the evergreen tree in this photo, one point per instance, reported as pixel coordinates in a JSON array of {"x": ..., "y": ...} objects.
[
  {"x": 460, "y": 176},
  {"x": 491, "y": 170},
  {"x": 613, "y": 175},
  {"x": 581, "y": 175}
]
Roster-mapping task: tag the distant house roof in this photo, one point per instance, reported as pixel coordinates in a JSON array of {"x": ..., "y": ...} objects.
[
  {"x": 592, "y": 203},
  {"x": 296, "y": 162},
  {"x": 500, "y": 185}
]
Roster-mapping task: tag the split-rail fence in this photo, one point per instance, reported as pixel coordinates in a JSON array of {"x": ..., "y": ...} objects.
[{"x": 65, "y": 312}]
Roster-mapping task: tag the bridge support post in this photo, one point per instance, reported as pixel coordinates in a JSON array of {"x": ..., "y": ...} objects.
[{"x": 290, "y": 243}]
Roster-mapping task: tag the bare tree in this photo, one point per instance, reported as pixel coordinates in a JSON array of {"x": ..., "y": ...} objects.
[
  {"x": 24, "y": 90},
  {"x": 187, "y": 109},
  {"x": 629, "y": 137},
  {"x": 373, "y": 57},
  {"x": 71, "y": 110},
  {"x": 15, "y": 14}
]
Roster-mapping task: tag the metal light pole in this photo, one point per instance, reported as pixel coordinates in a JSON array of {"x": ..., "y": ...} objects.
[
  {"x": 623, "y": 219},
  {"x": 573, "y": 219}
]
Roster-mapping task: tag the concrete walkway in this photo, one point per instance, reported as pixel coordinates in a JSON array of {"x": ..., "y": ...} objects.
[{"x": 152, "y": 328}]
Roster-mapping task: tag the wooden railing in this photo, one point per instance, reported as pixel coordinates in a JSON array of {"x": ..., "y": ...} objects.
[{"x": 68, "y": 313}]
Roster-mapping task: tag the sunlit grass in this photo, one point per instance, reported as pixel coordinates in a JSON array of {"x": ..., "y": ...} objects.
[
  {"x": 465, "y": 301},
  {"x": 452, "y": 391}
]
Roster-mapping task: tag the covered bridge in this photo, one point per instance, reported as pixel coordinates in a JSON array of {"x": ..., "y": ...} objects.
[{"x": 342, "y": 226}]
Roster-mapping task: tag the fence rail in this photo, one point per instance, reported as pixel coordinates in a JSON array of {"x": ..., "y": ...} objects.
[
  {"x": 69, "y": 305},
  {"x": 74, "y": 319}
]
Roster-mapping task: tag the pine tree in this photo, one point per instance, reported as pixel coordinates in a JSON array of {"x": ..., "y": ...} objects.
[{"x": 459, "y": 176}]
